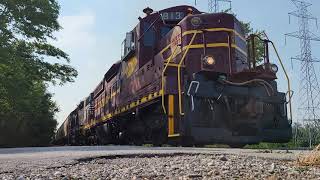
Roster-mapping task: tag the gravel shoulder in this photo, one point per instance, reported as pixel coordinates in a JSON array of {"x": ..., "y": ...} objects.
[{"x": 130, "y": 162}]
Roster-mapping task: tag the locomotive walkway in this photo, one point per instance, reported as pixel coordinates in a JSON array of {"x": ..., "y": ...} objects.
[{"x": 122, "y": 162}]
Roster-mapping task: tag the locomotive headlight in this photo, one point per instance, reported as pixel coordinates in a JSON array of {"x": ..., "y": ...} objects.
[
  {"x": 209, "y": 60},
  {"x": 196, "y": 21},
  {"x": 274, "y": 68}
]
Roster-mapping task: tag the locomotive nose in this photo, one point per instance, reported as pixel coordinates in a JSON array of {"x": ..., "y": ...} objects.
[{"x": 234, "y": 115}]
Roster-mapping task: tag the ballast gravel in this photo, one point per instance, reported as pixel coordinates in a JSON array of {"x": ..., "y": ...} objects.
[{"x": 169, "y": 166}]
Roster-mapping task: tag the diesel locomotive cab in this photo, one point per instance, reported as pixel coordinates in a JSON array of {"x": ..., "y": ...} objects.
[{"x": 225, "y": 96}]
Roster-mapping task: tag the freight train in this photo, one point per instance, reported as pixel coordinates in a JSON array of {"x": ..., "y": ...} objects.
[{"x": 185, "y": 77}]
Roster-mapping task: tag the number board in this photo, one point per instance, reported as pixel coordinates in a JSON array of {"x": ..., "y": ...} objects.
[{"x": 172, "y": 16}]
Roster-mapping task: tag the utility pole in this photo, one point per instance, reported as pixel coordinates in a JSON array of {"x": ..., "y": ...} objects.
[{"x": 309, "y": 91}]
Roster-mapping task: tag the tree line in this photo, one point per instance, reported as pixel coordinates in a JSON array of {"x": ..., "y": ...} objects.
[
  {"x": 26, "y": 107},
  {"x": 307, "y": 135}
]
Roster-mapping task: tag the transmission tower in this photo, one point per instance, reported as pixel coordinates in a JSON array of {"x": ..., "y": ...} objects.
[
  {"x": 214, "y": 5},
  {"x": 309, "y": 91}
]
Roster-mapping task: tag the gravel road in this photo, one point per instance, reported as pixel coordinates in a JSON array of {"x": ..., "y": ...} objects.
[{"x": 130, "y": 162}]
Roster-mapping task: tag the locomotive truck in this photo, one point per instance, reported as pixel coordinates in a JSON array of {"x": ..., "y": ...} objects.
[{"x": 184, "y": 77}]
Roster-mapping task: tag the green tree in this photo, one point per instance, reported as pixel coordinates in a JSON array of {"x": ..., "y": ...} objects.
[
  {"x": 259, "y": 45},
  {"x": 27, "y": 65},
  {"x": 304, "y": 134},
  {"x": 248, "y": 30}
]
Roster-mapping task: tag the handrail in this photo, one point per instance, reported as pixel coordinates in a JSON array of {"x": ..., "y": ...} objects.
[
  {"x": 179, "y": 70},
  {"x": 286, "y": 74},
  {"x": 162, "y": 78}
]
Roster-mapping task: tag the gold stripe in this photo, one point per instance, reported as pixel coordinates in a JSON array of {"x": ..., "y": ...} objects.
[
  {"x": 215, "y": 30},
  {"x": 215, "y": 45},
  {"x": 123, "y": 109},
  {"x": 144, "y": 99},
  {"x": 171, "y": 114},
  {"x": 211, "y": 30},
  {"x": 211, "y": 45},
  {"x": 175, "y": 65}
]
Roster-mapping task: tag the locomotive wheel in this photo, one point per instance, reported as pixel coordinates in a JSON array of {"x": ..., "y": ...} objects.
[
  {"x": 138, "y": 140},
  {"x": 199, "y": 145},
  {"x": 123, "y": 138},
  {"x": 187, "y": 142},
  {"x": 159, "y": 137},
  {"x": 155, "y": 125},
  {"x": 138, "y": 132}
]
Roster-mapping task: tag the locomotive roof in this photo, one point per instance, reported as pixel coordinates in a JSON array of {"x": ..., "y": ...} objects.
[
  {"x": 181, "y": 8},
  {"x": 112, "y": 71}
]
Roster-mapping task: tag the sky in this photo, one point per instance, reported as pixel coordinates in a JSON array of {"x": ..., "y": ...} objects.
[{"x": 94, "y": 30}]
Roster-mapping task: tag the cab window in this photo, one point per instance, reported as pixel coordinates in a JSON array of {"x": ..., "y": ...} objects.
[
  {"x": 128, "y": 44},
  {"x": 164, "y": 31},
  {"x": 149, "y": 35}
]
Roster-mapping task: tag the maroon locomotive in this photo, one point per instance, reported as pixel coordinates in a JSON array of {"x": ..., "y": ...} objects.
[{"x": 184, "y": 77}]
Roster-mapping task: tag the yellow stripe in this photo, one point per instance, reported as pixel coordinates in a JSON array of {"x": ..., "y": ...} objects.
[
  {"x": 215, "y": 45},
  {"x": 175, "y": 65},
  {"x": 124, "y": 109},
  {"x": 144, "y": 99},
  {"x": 211, "y": 30},
  {"x": 171, "y": 115},
  {"x": 211, "y": 45},
  {"x": 215, "y": 30}
]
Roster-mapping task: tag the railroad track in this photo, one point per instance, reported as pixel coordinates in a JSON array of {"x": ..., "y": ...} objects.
[{"x": 123, "y": 162}]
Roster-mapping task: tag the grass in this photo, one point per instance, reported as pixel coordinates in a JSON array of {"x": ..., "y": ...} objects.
[
  {"x": 216, "y": 146},
  {"x": 284, "y": 146},
  {"x": 289, "y": 145}
]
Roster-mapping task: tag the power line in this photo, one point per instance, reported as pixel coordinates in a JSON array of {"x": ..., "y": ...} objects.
[
  {"x": 309, "y": 91},
  {"x": 214, "y": 5}
]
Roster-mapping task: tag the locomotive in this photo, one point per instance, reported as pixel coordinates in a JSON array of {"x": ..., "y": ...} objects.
[{"x": 184, "y": 77}]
